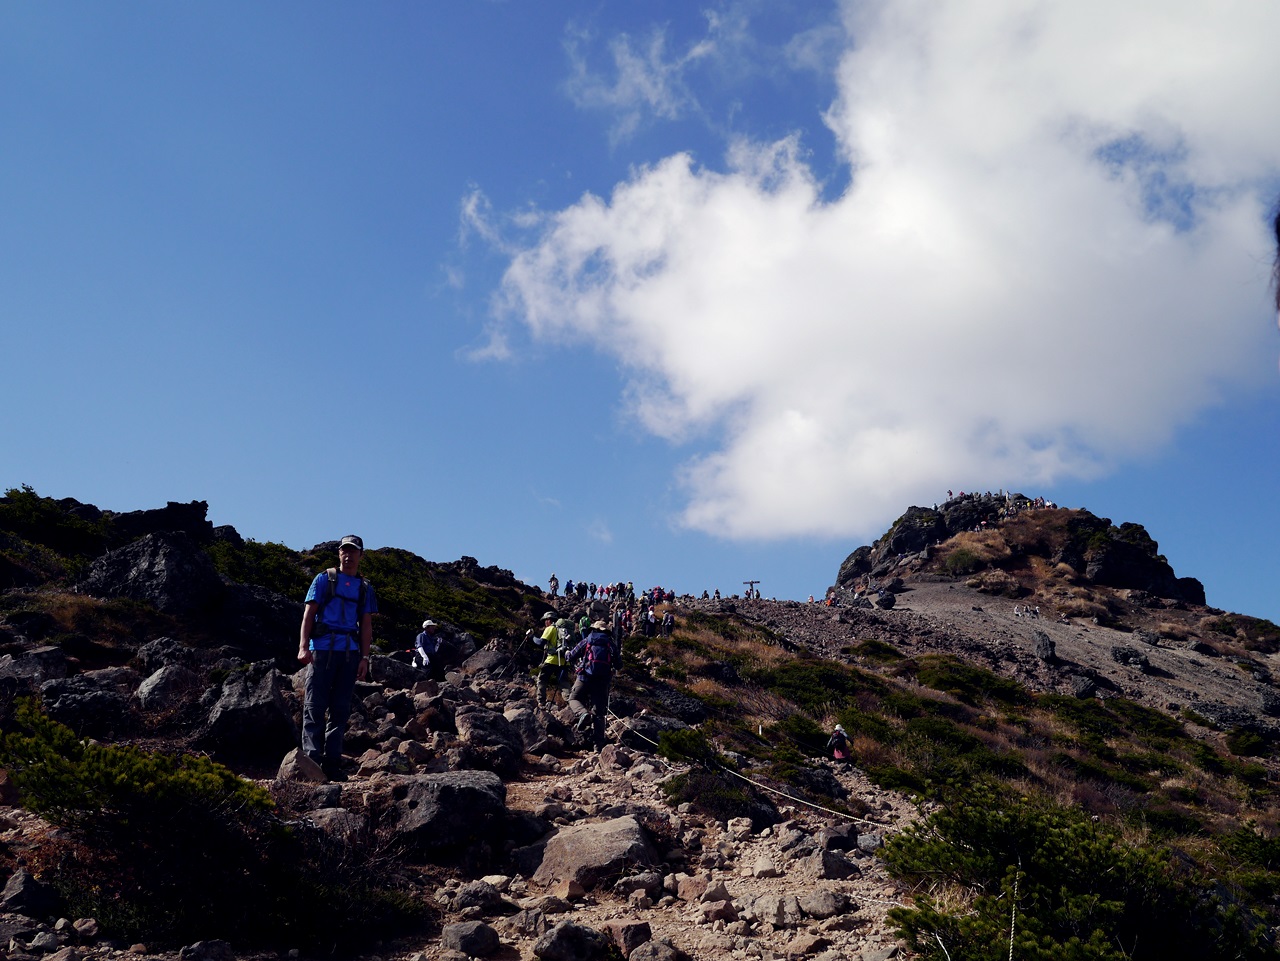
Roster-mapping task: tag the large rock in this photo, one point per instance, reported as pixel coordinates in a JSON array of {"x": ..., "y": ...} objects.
[
  {"x": 167, "y": 570},
  {"x": 32, "y": 668},
  {"x": 594, "y": 853},
  {"x": 529, "y": 727},
  {"x": 85, "y": 705},
  {"x": 571, "y": 942},
  {"x": 393, "y": 673},
  {"x": 251, "y": 718},
  {"x": 475, "y": 939},
  {"x": 23, "y": 894},
  {"x": 260, "y": 623},
  {"x": 493, "y": 736},
  {"x": 191, "y": 519},
  {"x": 486, "y": 662},
  {"x": 435, "y": 813},
  {"x": 171, "y": 687}
]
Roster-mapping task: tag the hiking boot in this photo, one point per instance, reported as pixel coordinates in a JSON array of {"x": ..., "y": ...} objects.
[
  {"x": 333, "y": 771},
  {"x": 584, "y": 723}
]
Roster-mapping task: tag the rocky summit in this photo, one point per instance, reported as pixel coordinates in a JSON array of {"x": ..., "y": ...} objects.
[{"x": 1055, "y": 749}]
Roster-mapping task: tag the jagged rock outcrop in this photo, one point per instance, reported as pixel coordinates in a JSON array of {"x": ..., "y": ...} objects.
[
  {"x": 190, "y": 519},
  {"x": 250, "y": 718},
  {"x": 166, "y": 570},
  {"x": 1124, "y": 557}
]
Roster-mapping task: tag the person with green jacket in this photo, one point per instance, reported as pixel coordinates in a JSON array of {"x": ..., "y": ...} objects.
[{"x": 553, "y": 660}]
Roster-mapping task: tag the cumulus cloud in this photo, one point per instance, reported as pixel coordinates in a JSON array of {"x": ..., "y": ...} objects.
[{"x": 1051, "y": 253}]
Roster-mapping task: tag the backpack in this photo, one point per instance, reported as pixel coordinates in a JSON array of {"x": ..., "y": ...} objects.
[
  {"x": 331, "y": 588},
  {"x": 599, "y": 654}
]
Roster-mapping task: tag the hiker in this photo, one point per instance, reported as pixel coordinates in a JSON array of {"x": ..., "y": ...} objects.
[
  {"x": 668, "y": 624},
  {"x": 592, "y": 658},
  {"x": 838, "y": 745},
  {"x": 337, "y": 631},
  {"x": 426, "y": 646},
  {"x": 552, "y": 669},
  {"x": 554, "y": 584}
]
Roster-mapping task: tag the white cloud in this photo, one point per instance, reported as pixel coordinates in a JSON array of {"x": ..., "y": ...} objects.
[
  {"x": 1050, "y": 255},
  {"x": 646, "y": 80}
]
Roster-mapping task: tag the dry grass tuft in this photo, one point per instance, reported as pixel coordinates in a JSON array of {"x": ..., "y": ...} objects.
[{"x": 1175, "y": 632}]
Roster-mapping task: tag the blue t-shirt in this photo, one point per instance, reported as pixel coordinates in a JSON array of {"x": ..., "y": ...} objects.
[{"x": 337, "y": 626}]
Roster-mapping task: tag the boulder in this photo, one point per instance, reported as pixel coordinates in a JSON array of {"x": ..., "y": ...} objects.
[
  {"x": 475, "y": 939},
  {"x": 260, "y": 623},
  {"x": 594, "y": 853},
  {"x": 163, "y": 651},
  {"x": 529, "y": 728},
  {"x": 251, "y": 718},
  {"x": 492, "y": 736},
  {"x": 1082, "y": 686},
  {"x": 627, "y": 935},
  {"x": 485, "y": 662},
  {"x": 167, "y": 570},
  {"x": 170, "y": 687},
  {"x": 32, "y": 668},
  {"x": 395, "y": 674},
  {"x": 85, "y": 706},
  {"x": 339, "y": 823},
  {"x": 571, "y": 942},
  {"x": 435, "y": 813},
  {"x": 23, "y": 894},
  {"x": 658, "y": 950},
  {"x": 780, "y": 910},
  {"x": 823, "y": 903},
  {"x": 1130, "y": 656},
  {"x": 688, "y": 709}
]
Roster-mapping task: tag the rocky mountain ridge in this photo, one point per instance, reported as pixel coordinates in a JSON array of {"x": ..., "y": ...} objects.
[{"x": 518, "y": 842}]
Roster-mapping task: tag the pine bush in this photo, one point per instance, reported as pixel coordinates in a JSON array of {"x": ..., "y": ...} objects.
[
  {"x": 170, "y": 849},
  {"x": 1000, "y": 868}
]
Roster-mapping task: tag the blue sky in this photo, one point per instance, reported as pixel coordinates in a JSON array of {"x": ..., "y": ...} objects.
[{"x": 672, "y": 292}]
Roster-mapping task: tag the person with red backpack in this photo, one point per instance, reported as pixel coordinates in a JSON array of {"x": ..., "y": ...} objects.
[
  {"x": 337, "y": 631},
  {"x": 593, "y": 658}
]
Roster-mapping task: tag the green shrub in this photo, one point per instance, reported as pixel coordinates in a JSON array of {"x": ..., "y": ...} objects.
[
  {"x": 876, "y": 651},
  {"x": 1243, "y": 742},
  {"x": 813, "y": 684},
  {"x": 963, "y": 561},
  {"x": 967, "y": 683},
  {"x": 686, "y": 746},
  {"x": 269, "y": 565},
  {"x": 1079, "y": 890},
  {"x": 801, "y": 731},
  {"x": 712, "y": 792},
  {"x": 43, "y": 521},
  {"x": 168, "y": 849}
]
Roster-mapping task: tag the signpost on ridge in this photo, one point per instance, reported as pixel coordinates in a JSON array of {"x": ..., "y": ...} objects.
[{"x": 751, "y": 588}]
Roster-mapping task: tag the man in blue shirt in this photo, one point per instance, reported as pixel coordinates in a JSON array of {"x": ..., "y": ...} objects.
[{"x": 337, "y": 630}]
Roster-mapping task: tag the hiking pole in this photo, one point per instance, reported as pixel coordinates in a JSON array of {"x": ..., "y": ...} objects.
[{"x": 514, "y": 656}]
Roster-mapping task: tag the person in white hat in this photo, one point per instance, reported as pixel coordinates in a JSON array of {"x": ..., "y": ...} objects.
[
  {"x": 426, "y": 645},
  {"x": 838, "y": 745}
]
